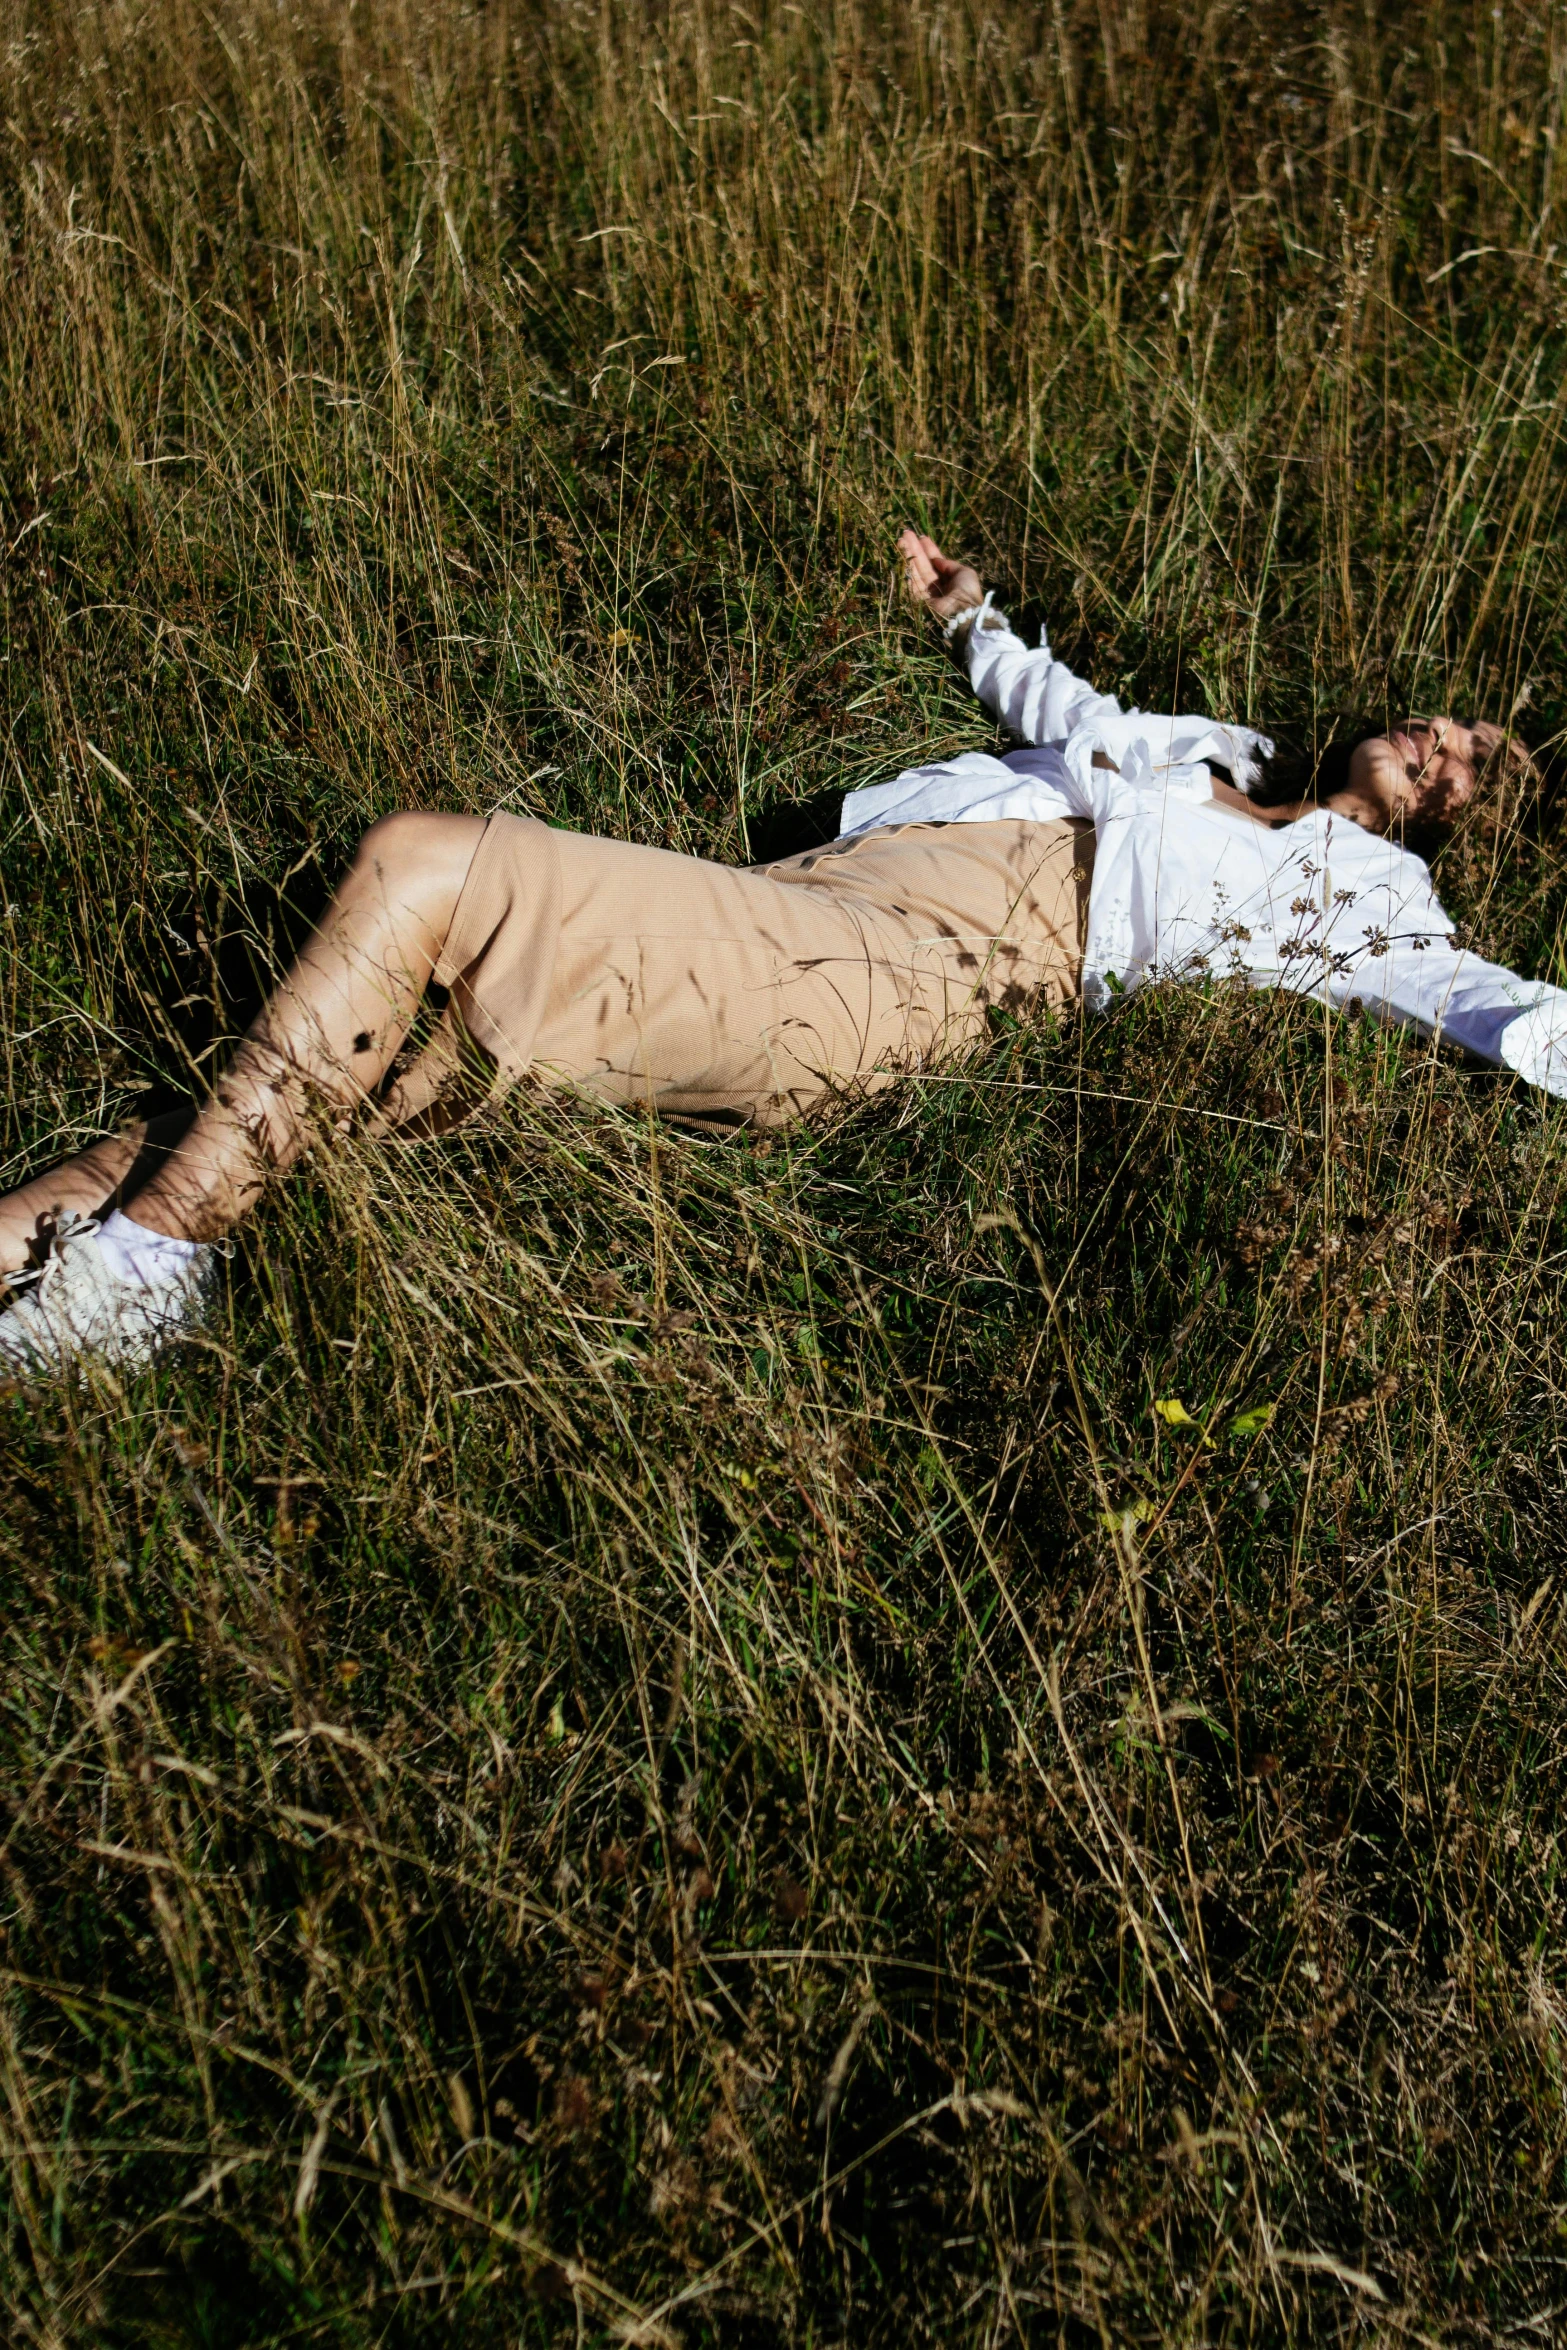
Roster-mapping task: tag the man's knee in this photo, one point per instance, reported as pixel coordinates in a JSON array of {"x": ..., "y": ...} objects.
[
  {"x": 422, "y": 859},
  {"x": 399, "y": 844}
]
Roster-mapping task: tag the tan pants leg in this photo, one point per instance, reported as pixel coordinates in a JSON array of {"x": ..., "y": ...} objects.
[{"x": 751, "y": 992}]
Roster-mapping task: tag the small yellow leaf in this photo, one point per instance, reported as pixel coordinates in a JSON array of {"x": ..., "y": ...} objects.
[
  {"x": 1171, "y": 1408},
  {"x": 1135, "y": 1513},
  {"x": 557, "y": 1723},
  {"x": 1250, "y": 1423}
]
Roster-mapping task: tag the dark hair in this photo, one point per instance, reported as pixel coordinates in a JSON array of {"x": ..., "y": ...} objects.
[
  {"x": 1292, "y": 776},
  {"x": 1295, "y": 773}
]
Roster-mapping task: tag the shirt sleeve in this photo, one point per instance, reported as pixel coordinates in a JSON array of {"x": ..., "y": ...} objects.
[
  {"x": 1420, "y": 977},
  {"x": 1031, "y": 692}
]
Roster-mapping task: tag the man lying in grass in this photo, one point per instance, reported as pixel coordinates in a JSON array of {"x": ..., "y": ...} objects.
[{"x": 1112, "y": 847}]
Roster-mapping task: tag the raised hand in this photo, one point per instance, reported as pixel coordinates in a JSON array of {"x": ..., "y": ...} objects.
[{"x": 944, "y": 587}]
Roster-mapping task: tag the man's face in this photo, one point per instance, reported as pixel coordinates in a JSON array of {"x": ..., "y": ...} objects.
[{"x": 1424, "y": 771}]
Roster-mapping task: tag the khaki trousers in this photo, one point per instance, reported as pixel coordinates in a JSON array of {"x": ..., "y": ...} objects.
[{"x": 749, "y": 993}]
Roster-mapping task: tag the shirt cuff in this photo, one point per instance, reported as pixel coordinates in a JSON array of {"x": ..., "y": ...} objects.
[
  {"x": 1535, "y": 1044},
  {"x": 957, "y": 628}
]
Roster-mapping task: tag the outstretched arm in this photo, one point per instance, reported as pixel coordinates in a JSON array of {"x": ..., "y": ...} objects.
[
  {"x": 1387, "y": 945},
  {"x": 1422, "y": 979},
  {"x": 1033, "y": 694}
]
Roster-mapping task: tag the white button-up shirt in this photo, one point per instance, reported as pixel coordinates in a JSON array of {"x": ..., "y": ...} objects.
[{"x": 1184, "y": 886}]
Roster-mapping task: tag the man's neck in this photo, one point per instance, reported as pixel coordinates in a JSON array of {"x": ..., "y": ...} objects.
[
  {"x": 1226, "y": 795},
  {"x": 1355, "y": 807}
]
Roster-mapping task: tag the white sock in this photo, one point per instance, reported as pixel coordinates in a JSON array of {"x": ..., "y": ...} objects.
[{"x": 139, "y": 1253}]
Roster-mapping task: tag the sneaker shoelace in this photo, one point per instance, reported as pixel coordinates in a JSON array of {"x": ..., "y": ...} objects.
[{"x": 37, "y": 1278}]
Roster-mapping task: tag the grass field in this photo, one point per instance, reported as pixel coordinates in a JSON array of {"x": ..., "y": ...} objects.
[{"x": 653, "y": 1740}]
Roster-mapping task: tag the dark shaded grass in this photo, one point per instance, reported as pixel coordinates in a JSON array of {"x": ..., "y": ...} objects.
[{"x": 654, "y": 1738}]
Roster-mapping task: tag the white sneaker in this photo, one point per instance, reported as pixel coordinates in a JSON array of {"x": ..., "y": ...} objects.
[{"x": 89, "y": 1300}]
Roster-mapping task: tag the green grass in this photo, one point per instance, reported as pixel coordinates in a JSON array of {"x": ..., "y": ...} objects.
[{"x": 654, "y": 1740}]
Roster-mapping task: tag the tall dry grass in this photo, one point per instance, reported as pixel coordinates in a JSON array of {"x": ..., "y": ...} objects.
[{"x": 655, "y": 1741}]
